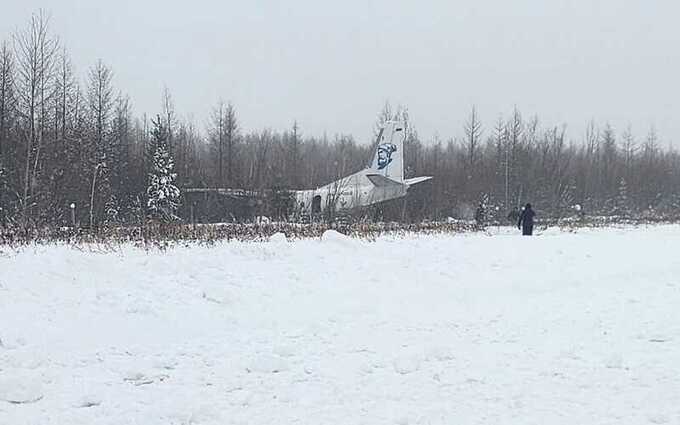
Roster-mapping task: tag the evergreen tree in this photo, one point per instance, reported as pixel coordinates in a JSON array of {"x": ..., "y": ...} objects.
[
  {"x": 622, "y": 207},
  {"x": 162, "y": 194}
]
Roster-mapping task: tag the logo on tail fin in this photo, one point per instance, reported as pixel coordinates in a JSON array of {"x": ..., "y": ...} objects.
[{"x": 385, "y": 152}]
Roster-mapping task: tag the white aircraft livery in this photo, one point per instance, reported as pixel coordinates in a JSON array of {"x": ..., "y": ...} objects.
[{"x": 382, "y": 181}]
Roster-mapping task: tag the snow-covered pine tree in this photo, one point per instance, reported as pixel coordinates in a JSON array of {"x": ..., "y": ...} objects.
[
  {"x": 162, "y": 194},
  {"x": 622, "y": 207}
]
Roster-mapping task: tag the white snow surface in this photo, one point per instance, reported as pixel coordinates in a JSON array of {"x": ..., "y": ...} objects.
[{"x": 562, "y": 328}]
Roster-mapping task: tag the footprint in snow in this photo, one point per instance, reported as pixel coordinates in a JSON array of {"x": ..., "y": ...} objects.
[{"x": 87, "y": 402}]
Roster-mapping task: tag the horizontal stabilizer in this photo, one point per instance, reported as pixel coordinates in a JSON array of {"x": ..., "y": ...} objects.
[
  {"x": 382, "y": 181},
  {"x": 416, "y": 180}
]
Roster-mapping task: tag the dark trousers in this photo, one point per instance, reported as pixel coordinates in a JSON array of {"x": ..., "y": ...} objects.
[{"x": 527, "y": 230}]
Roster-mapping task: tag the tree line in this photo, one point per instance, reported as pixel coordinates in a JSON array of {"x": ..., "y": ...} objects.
[{"x": 72, "y": 150}]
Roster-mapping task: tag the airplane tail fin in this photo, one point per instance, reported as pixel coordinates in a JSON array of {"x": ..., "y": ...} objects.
[{"x": 388, "y": 160}]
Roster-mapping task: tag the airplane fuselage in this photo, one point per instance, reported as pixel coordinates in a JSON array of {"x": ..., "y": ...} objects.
[{"x": 350, "y": 192}]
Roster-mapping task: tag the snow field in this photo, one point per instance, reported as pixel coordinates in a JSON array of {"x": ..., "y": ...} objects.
[{"x": 556, "y": 329}]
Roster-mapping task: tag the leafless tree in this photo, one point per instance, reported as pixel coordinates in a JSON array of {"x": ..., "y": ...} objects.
[
  {"x": 628, "y": 149},
  {"x": 102, "y": 152},
  {"x": 6, "y": 108},
  {"x": 473, "y": 136},
  {"x": 169, "y": 116},
  {"x": 385, "y": 115},
  {"x": 294, "y": 155},
  {"x": 223, "y": 135},
  {"x": 6, "y": 92},
  {"x": 35, "y": 51},
  {"x": 216, "y": 134},
  {"x": 100, "y": 99}
]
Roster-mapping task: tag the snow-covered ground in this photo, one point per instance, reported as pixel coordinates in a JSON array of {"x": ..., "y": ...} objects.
[{"x": 557, "y": 329}]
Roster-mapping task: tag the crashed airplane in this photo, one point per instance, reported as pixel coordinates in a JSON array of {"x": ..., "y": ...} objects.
[{"x": 382, "y": 181}]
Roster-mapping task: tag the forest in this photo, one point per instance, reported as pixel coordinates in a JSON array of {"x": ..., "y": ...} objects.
[{"x": 74, "y": 152}]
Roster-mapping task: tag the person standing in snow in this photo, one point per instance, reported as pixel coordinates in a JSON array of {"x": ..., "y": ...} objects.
[{"x": 526, "y": 220}]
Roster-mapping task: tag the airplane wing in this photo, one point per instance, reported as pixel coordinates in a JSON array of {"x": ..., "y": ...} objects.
[
  {"x": 230, "y": 193},
  {"x": 382, "y": 181}
]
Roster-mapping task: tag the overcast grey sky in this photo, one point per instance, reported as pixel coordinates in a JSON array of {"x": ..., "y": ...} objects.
[{"x": 332, "y": 65}]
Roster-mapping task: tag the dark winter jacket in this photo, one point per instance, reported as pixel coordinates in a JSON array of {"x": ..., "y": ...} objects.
[{"x": 526, "y": 220}]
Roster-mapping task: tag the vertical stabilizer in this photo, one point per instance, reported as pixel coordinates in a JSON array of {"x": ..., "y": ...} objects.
[{"x": 388, "y": 159}]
